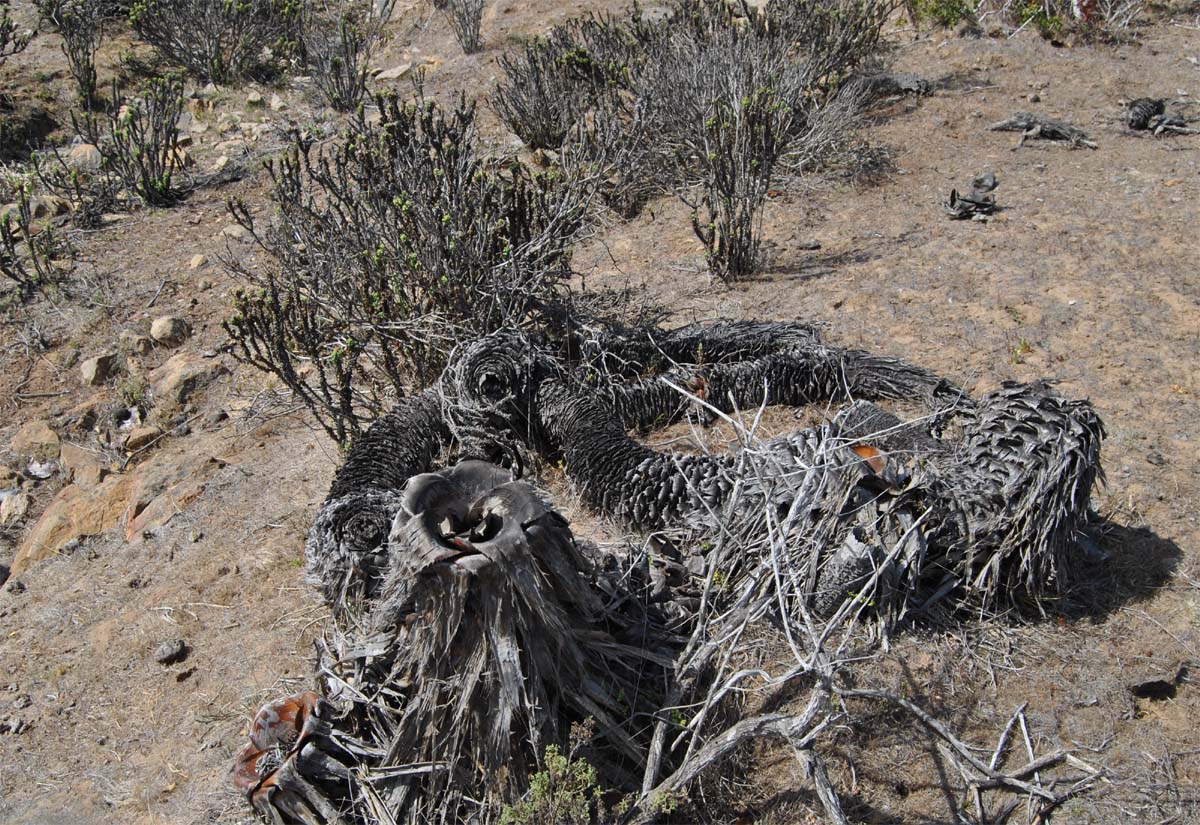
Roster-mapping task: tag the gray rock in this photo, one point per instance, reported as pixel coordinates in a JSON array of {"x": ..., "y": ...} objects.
[{"x": 170, "y": 652}]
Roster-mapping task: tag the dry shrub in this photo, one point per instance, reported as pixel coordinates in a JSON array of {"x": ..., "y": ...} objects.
[
  {"x": 465, "y": 18},
  {"x": 217, "y": 40},
  {"x": 11, "y": 41},
  {"x": 338, "y": 48},
  {"x": 706, "y": 102},
  {"x": 138, "y": 139},
  {"x": 389, "y": 249}
]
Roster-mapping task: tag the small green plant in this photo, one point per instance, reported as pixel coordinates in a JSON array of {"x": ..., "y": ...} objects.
[
  {"x": 945, "y": 13},
  {"x": 566, "y": 792},
  {"x": 1044, "y": 17},
  {"x": 1020, "y": 350}
]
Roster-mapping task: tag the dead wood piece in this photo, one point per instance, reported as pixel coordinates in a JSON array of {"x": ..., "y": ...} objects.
[{"x": 1035, "y": 126}]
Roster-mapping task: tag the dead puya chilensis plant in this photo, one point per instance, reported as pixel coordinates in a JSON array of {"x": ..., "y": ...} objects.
[{"x": 716, "y": 687}]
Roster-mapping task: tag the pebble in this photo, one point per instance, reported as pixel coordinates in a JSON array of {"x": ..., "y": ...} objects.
[
  {"x": 168, "y": 653},
  {"x": 197, "y": 261}
]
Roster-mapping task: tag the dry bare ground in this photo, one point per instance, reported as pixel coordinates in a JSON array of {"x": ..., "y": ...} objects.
[{"x": 1088, "y": 275}]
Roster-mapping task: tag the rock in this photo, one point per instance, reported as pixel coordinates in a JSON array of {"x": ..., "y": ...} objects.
[
  {"x": 205, "y": 284},
  {"x": 138, "y": 344},
  {"x": 14, "y": 508},
  {"x": 395, "y": 73},
  {"x": 23, "y": 701},
  {"x": 15, "y": 586},
  {"x": 182, "y": 375},
  {"x": 254, "y": 99},
  {"x": 74, "y": 513},
  {"x": 36, "y": 439},
  {"x": 145, "y": 499},
  {"x": 48, "y": 206},
  {"x": 236, "y": 232},
  {"x": 141, "y": 437},
  {"x": 277, "y": 103},
  {"x": 83, "y": 466},
  {"x": 170, "y": 330},
  {"x": 85, "y": 157},
  {"x": 7, "y": 476},
  {"x": 197, "y": 261},
  {"x": 214, "y": 419},
  {"x": 220, "y": 163},
  {"x": 97, "y": 370},
  {"x": 168, "y": 653},
  {"x": 180, "y": 158}
]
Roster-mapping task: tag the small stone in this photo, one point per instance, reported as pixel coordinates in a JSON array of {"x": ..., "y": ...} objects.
[
  {"x": 809, "y": 246},
  {"x": 1035, "y": 98},
  {"x": 7, "y": 476},
  {"x": 181, "y": 376},
  {"x": 15, "y": 586},
  {"x": 141, "y": 437},
  {"x": 132, "y": 342},
  {"x": 195, "y": 536},
  {"x": 170, "y": 330},
  {"x": 254, "y": 99},
  {"x": 277, "y": 103},
  {"x": 395, "y": 73},
  {"x": 23, "y": 701},
  {"x": 216, "y": 418},
  {"x": 220, "y": 163},
  {"x": 83, "y": 466},
  {"x": 14, "y": 508},
  {"x": 205, "y": 285},
  {"x": 236, "y": 232},
  {"x": 96, "y": 370},
  {"x": 85, "y": 157},
  {"x": 36, "y": 439},
  {"x": 168, "y": 653},
  {"x": 197, "y": 261}
]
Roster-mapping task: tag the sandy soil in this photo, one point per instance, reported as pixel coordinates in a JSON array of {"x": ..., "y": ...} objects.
[{"x": 1090, "y": 275}]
